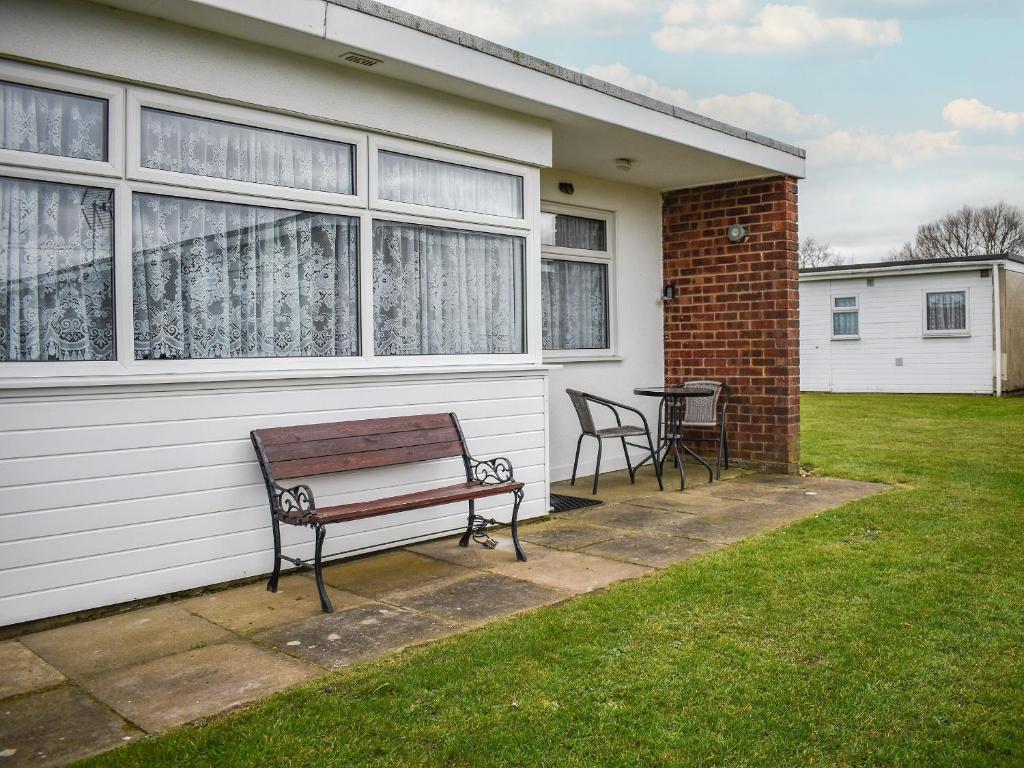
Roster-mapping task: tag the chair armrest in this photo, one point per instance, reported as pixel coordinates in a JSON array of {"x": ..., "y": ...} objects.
[
  {"x": 489, "y": 471},
  {"x": 614, "y": 406},
  {"x": 295, "y": 504}
]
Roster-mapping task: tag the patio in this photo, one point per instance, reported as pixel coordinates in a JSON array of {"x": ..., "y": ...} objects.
[{"x": 113, "y": 680}]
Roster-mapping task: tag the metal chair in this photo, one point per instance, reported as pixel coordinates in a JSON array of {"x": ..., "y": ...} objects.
[
  {"x": 581, "y": 402},
  {"x": 699, "y": 412}
]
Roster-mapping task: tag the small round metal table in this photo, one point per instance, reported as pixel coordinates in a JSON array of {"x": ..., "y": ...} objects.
[{"x": 674, "y": 403}]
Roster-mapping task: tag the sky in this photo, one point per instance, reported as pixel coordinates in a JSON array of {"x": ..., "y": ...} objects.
[{"x": 907, "y": 108}]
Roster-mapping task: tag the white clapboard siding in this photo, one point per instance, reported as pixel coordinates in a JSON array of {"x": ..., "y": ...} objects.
[
  {"x": 114, "y": 496},
  {"x": 891, "y": 320}
]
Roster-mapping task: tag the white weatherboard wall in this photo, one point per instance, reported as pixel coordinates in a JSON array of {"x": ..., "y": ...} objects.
[
  {"x": 114, "y": 496},
  {"x": 639, "y": 356},
  {"x": 891, "y": 327}
]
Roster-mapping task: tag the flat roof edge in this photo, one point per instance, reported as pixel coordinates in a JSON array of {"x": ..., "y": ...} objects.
[
  {"x": 982, "y": 258},
  {"x": 482, "y": 45}
]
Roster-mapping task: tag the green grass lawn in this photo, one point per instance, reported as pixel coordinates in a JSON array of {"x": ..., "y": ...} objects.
[{"x": 886, "y": 632}]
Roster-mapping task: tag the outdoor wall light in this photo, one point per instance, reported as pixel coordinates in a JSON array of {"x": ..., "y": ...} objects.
[
  {"x": 737, "y": 233},
  {"x": 623, "y": 163},
  {"x": 566, "y": 187},
  {"x": 668, "y": 292}
]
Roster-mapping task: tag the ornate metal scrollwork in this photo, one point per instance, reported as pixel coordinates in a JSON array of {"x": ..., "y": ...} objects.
[
  {"x": 294, "y": 505},
  {"x": 491, "y": 471}
]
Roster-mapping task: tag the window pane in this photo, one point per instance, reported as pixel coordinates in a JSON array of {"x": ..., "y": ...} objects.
[
  {"x": 446, "y": 291},
  {"x": 52, "y": 123},
  {"x": 845, "y": 324},
  {"x": 214, "y": 280},
  {"x": 407, "y": 179},
  {"x": 56, "y": 283},
  {"x": 575, "y": 305},
  {"x": 573, "y": 232},
  {"x": 203, "y": 147},
  {"x": 947, "y": 311},
  {"x": 845, "y": 301}
]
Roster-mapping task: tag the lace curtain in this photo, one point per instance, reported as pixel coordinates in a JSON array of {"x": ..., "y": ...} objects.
[
  {"x": 947, "y": 311},
  {"x": 215, "y": 280},
  {"x": 446, "y": 292},
  {"x": 574, "y": 310},
  {"x": 202, "y": 147},
  {"x": 417, "y": 180},
  {"x": 52, "y": 123},
  {"x": 845, "y": 324},
  {"x": 56, "y": 285},
  {"x": 566, "y": 231}
]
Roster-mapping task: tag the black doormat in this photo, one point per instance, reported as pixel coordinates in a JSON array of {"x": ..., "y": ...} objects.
[{"x": 565, "y": 503}]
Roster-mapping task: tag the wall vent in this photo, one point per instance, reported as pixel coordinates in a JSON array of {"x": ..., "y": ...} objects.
[
  {"x": 899, "y": 362},
  {"x": 871, "y": 281},
  {"x": 359, "y": 59}
]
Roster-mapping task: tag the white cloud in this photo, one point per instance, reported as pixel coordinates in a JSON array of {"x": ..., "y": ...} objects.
[
  {"x": 898, "y": 150},
  {"x": 739, "y": 26},
  {"x": 972, "y": 114},
  {"x": 620, "y": 74}
]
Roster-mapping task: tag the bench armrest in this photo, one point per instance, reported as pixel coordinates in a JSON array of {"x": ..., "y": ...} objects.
[
  {"x": 490, "y": 471},
  {"x": 295, "y": 504}
]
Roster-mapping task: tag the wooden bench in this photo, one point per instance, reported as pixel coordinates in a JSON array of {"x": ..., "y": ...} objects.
[{"x": 286, "y": 453}]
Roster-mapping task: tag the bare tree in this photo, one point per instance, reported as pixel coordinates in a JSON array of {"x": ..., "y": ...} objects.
[
  {"x": 969, "y": 231},
  {"x": 817, "y": 254}
]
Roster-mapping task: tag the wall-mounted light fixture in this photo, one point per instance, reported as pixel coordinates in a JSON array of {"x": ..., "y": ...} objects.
[
  {"x": 737, "y": 233},
  {"x": 668, "y": 292},
  {"x": 566, "y": 187},
  {"x": 623, "y": 163}
]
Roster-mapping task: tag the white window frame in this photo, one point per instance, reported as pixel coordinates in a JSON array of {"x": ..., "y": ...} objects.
[
  {"x": 249, "y": 118},
  {"x": 455, "y": 157},
  {"x": 73, "y": 85},
  {"x": 606, "y": 258},
  {"x": 843, "y": 310},
  {"x": 960, "y": 332}
]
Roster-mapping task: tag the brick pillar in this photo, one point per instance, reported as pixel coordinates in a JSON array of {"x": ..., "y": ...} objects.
[{"x": 735, "y": 316}]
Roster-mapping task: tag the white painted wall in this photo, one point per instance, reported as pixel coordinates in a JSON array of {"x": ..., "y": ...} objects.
[
  {"x": 891, "y": 325},
  {"x": 638, "y": 316}
]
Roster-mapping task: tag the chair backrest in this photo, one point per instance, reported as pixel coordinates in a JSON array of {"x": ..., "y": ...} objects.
[
  {"x": 321, "y": 449},
  {"x": 579, "y": 402},
  {"x": 702, "y": 410}
]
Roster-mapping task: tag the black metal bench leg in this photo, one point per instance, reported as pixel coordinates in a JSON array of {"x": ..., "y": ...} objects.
[
  {"x": 464, "y": 541},
  {"x": 272, "y": 584},
  {"x": 520, "y": 555},
  {"x": 325, "y": 601}
]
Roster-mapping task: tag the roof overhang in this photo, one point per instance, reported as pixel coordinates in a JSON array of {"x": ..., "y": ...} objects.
[
  {"x": 593, "y": 123},
  {"x": 929, "y": 266}
]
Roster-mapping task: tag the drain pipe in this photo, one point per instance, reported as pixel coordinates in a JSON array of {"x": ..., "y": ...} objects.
[{"x": 997, "y": 327}]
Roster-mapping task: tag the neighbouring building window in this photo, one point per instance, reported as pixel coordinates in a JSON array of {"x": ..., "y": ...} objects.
[
  {"x": 422, "y": 181},
  {"x": 578, "y": 232},
  {"x": 222, "y": 280},
  {"x": 845, "y": 317},
  {"x": 575, "y": 305},
  {"x": 214, "y": 148},
  {"x": 946, "y": 312},
  {"x": 444, "y": 291},
  {"x": 56, "y": 278},
  {"x": 52, "y": 122}
]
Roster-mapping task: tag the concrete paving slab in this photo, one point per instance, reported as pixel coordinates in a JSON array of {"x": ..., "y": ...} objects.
[
  {"x": 252, "y": 608},
  {"x": 691, "y": 502},
  {"x": 480, "y": 598},
  {"x": 651, "y": 549},
  {"x": 630, "y": 517},
  {"x": 97, "y": 646},
  {"x": 358, "y": 634},
  {"x": 56, "y": 727},
  {"x": 473, "y": 556},
  {"x": 177, "y": 689},
  {"x": 568, "y": 533},
  {"x": 721, "y": 528},
  {"x": 23, "y": 671},
  {"x": 379, "y": 575}
]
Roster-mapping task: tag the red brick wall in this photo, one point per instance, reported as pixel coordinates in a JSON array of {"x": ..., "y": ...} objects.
[{"x": 734, "y": 318}]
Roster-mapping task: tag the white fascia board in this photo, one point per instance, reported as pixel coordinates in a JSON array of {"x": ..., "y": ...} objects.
[{"x": 916, "y": 269}]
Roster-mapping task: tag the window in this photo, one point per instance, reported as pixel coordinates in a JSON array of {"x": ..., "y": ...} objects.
[
  {"x": 441, "y": 291},
  {"x": 217, "y": 149},
  {"x": 48, "y": 122},
  {"x": 56, "y": 280},
  {"x": 421, "y": 181},
  {"x": 945, "y": 313},
  {"x": 221, "y": 280},
  {"x": 578, "y": 232},
  {"x": 845, "y": 317}
]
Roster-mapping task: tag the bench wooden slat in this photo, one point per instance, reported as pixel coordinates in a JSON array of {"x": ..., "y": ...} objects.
[
  {"x": 433, "y": 497},
  {"x": 321, "y": 465},
  {"x": 328, "y": 431},
  {"x": 359, "y": 444}
]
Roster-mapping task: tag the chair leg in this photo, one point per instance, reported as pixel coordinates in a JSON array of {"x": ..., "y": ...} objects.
[
  {"x": 520, "y": 555},
  {"x": 725, "y": 446},
  {"x": 654, "y": 461},
  {"x": 721, "y": 448},
  {"x": 597, "y": 469},
  {"x": 677, "y": 451},
  {"x": 576, "y": 461},
  {"x": 632, "y": 473},
  {"x": 464, "y": 541},
  {"x": 272, "y": 584},
  {"x": 325, "y": 601}
]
